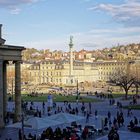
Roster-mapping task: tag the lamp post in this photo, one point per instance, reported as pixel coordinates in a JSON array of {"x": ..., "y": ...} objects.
[
  {"x": 77, "y": 97},
  {"x": 12, "y": 89}
]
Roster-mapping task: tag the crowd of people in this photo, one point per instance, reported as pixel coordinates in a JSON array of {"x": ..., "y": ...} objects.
[
  {"x": 73, "y": 132},
  {"x": 110, "y": 121},
  {"x": 113, "y": 134},
  {"x": 133, "y": 125}
]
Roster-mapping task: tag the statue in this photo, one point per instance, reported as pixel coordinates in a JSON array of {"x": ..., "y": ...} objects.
[
  {"x": 71, "y": 39},
  {"x": 2, "y": 41}
]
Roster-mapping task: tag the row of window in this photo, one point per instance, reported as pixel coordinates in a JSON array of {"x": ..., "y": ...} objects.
[
  {"x": 106, "y": 73},
  {"x": 111, "y": 68},
  {"x": 43, "y": 74},
  {"x": 111, "y": 64},
  {"x": 46, "y": 80}
]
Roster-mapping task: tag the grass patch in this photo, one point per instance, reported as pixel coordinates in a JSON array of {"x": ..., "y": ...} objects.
[
  {"x": 121, "y": 94},
  {"x": 58, "y": 98},
  {"x": 118, "y": 95},
  {"x": 135, "y": 107}
]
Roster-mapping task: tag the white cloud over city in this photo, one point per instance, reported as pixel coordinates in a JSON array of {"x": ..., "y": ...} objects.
[
  {"x": 93, "y": 39},
  {"x": 51, "y": 23},
  {"x": 14, "y": 5},
  {"x": 7, "y": 3},
  {"x": 127, "y": 13}
]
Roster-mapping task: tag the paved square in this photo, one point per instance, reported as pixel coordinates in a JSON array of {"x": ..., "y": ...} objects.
[{"x": 125, "y": 135}]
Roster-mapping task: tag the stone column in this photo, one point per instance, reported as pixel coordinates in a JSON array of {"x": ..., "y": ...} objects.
[
  {"x": 71, "y": 57},
  {"x": 17, "y": 91},
  {"x": 1, "y": 95},
  {"x": 4, "y": 88}
]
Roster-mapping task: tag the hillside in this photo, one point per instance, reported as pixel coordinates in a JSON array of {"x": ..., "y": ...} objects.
[{"x": 120, "y": 52}]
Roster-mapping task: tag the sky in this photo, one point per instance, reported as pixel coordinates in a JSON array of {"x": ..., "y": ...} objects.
[{"x": 48, "y": 24}]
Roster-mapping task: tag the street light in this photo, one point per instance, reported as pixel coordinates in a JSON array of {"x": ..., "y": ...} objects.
[
  {"x": 77, "y": 91},
  {"x": 12, "y": 89}
]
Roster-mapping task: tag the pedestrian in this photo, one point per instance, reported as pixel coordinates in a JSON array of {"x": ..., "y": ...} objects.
[
  {"x": 109, "y": 115},
  {"x": 76, "y": 110},
  {"x": 110, "y": 123},
  {"x": 110, "y": 101},
  {"x": 43, "y": 105},
  {"x": 135, "y": 120},
  {"x": 90, "y": 107},
  {"x": 39, "y": 114},
  {"x": 96, "y": 113},
  {"x": 106, "y": 121},
  {"x": 113, "y": 135},
  {"x": 85, "y": 111},
  {"x": 87, "y": 117},
  {"x": 20, "y": 134}
]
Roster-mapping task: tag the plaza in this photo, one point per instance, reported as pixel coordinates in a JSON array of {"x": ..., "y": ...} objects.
[
  {"x": 102, "y": 108},
  {"x": 94, "y": 110}
]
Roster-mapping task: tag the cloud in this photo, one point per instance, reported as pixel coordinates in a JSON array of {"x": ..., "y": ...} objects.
[
  {"x": 13, "y": 5},
  {"x": 122, "y": 31},
  {"x": 93, "y": 39},
  {"x": 15, "y": 11},
  {"x": 127, "y": 13},
  {"x": 100, "y": 38}
]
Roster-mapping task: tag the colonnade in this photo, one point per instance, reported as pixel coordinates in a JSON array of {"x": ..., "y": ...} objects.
[{"x": 3, "y": 91}]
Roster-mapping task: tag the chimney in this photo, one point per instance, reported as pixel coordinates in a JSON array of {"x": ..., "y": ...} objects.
[{"x": 2, "y": 41}]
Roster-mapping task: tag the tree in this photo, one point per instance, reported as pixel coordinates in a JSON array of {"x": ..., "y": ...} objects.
[
  {"x": 137, "y": 85},
  {"x": 136, "y": 73},
  {"x": 123, "y": 80},
  {"x": 25, "y": 77}
]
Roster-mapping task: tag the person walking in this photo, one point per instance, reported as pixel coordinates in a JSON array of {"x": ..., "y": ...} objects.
[
  {"x": 109, "y": 115},
  {"x": 96, "y": 114},
  {"x": 90, "y": 107},
  {"x": 87, "y": 117}
]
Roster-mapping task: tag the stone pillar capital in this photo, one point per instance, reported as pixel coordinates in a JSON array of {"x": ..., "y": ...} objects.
[{"x": 10, "y": 62}]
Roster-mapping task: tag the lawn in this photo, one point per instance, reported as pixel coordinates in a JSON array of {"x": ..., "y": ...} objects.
[
  {"x": 118, "y": 95},
  {"x": 121, "y": 94},
  {"x": 135, "y": 107},
  {"x": 58, "y": 98}
]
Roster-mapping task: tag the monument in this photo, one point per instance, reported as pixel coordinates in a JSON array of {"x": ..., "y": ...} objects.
[
  {"x": 71, "y": 79},
  {"x": 9, "y": 53},
  {"x": 71, "y": 56}
]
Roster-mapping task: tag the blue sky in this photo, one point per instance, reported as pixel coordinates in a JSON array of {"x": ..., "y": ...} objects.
[{"x": 47, "y": 24}]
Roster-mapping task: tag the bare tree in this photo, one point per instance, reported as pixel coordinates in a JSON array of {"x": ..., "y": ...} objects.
[
  {"x": 25, "y": 77},
  {"x": 135, "y": 72},
  {"x": 137, "y": 85},
  {"x": 123, "y": 80}
]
